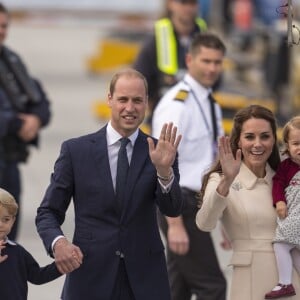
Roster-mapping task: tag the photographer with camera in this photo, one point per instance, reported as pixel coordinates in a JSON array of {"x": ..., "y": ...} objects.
[{"x": 24, "y": 110}]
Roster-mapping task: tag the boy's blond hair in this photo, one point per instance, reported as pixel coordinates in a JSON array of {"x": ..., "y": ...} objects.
[{"x": 8, "y": 201}]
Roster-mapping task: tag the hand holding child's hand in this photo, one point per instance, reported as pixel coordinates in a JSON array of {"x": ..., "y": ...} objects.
[{"x": 68, "y": 257}]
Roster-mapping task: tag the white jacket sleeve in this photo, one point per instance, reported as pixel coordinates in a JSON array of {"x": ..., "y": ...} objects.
[{"x": 213, "y": 205}]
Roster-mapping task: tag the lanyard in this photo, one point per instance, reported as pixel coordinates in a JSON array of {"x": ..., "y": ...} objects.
[
  {"x": 212, "y": 102},
  {"x": 212, "y": 111}
]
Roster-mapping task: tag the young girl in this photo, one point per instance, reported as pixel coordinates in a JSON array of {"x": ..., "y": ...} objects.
[
  {"x": 17, "y": 266},
  {"x": 286, "y": 198}
]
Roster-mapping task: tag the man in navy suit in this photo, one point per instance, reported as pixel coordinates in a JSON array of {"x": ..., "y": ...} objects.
[{"x": 116, "y": 252}]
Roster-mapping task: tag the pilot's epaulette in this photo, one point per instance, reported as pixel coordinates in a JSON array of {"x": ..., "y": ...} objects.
[{"x": 181, "y": 95}]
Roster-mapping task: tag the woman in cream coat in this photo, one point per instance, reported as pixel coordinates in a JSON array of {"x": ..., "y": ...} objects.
[{"x": 237, "y": 190}]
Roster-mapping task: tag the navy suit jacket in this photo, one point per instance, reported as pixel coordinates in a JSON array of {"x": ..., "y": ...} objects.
[{"x": 82, "y": 173}]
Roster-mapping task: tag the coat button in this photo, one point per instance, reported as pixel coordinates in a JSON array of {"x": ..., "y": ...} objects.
[{"x": 118, "y": 253}]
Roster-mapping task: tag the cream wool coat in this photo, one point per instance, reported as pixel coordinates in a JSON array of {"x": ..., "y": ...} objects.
[{"x": 249, "y": 218}]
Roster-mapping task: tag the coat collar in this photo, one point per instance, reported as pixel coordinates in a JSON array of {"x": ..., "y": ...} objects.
[
  {"x": 9, "y": 242},
  {"x": 113, "y": 136},
  {"x": 247, "y": 178},
  {"x": 139, "y": 155},
  {"x": 100, "y": 149},
  {"x": 101, "y": 159}
]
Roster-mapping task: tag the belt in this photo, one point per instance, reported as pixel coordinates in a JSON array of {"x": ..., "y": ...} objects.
[{"x": 252, "y": 245}]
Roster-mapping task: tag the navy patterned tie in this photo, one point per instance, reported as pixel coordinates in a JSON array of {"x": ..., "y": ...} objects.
[{"x": 122, "y": 170}]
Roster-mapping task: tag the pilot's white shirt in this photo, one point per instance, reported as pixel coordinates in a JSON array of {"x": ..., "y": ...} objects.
[{"x": 188, "y": 107}]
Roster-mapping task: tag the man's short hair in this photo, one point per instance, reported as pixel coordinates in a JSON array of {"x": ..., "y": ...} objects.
[
  {"x": 8, "y": 202},
  {"x": 127, "y": 73},
  {"x": 208, "y": 40}
]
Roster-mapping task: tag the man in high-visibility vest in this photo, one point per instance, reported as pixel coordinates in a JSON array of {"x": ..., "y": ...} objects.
[{"x": 162, "y": 58}]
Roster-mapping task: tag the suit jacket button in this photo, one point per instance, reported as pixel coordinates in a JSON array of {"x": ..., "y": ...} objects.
[{"x": 118, "y": 253}]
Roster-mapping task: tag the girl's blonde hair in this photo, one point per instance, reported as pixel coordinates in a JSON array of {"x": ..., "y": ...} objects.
[{"x": 294, "y": 123}]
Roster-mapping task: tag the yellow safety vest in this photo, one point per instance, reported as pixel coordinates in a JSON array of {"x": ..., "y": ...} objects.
[{"x": 166, "y": 47}]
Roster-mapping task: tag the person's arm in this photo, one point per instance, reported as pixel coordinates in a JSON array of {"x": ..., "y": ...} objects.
[
  {"x": 281, "y": 209},
  {"x": 278, "y": 188},
  {"x": 37, "y": 274},
  {"x": 38, "y": 105},
  {"x": 166, "y": 182},
  {"x": 230, "y": 165},
  {"x": 213, "y": 205},
  {"x": 42, "y": 108},
  {"x": 68, "y": 256},
  {"x": 10, "y": 123},
  {"x": 52, "y": 211},
  {"x": 30, "y": 127},
  {"x": 163, "y": 155},
  {"x": 36, "y": 117},
  {"x": 177, "y": 236},
  {"x": 217, "y": 189},
  {"x": 225, "y": 243}
]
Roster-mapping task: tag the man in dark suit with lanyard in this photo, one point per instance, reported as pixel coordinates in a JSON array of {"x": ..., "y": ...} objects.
[
  {"x": 116, "y": 252},
  {"x": 192, "y": 262}
]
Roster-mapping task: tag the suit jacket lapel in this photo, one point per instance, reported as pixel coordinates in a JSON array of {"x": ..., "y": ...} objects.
[
  {"x": 100, "y": 155},
  {"x": 139, "y": 156}
]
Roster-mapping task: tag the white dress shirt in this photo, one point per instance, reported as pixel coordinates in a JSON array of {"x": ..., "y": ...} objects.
[{"x": 113, "y": 146}]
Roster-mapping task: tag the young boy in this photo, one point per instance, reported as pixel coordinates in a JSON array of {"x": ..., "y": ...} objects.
[{"x": 17, "y": 266}]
